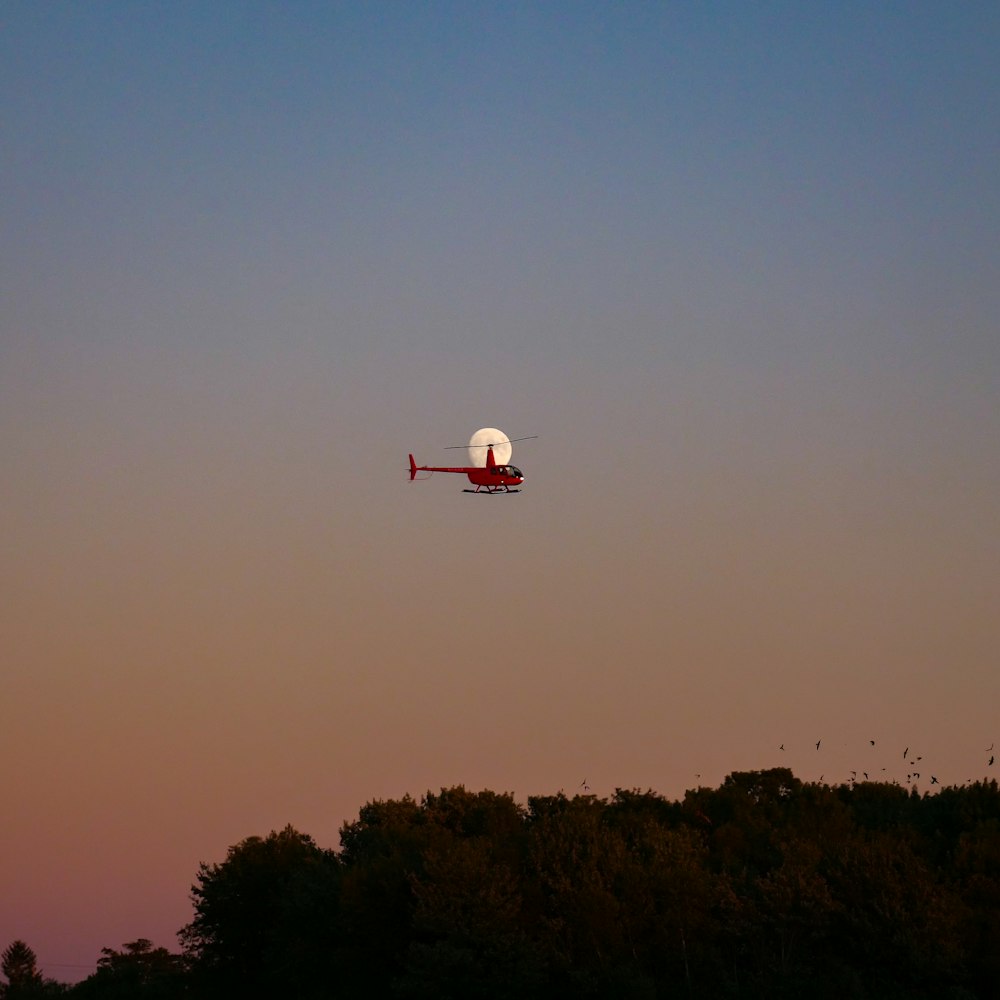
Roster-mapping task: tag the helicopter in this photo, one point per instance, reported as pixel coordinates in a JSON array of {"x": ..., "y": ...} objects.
[{"x": 493, "y": 476}]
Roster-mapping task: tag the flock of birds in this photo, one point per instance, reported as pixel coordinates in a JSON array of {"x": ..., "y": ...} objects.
[{"x": 910, "y": 762}]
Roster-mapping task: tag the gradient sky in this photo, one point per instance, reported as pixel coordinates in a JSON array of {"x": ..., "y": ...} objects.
[{"x": 737, "y": 265}]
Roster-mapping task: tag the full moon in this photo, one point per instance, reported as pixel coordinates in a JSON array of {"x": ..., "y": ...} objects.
[{"x": 478, "y": 447}]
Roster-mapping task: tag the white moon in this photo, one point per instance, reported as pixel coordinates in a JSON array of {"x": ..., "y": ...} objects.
[{"x": 478, "y": 447}]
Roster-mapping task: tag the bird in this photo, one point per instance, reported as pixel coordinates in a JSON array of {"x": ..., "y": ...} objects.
[
  {"x": 905, "y": 752},
  {"x": 865, "y": 773},
  {"x": 782, "y": 747},
  {"x": 872, "y": 742},
  {"x": 818, "y": 743},
  {"x": 934, "y": 780},
  {"x": 584, "y": 785},
  {"x": 992, "y": 758},
  {"x": 989, "y": 748}
]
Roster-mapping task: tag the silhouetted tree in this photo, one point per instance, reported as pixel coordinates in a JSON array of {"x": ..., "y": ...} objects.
[
  {"x": 19, "y": 964},
  {"x": 381, "y": 853},
  {"x": 24, "y": 982},
  {"x": 468, "y": 935},
  {"x": 976, "y": 873},
  {"x": 138, "y": 971},
  {"x": 265, "y": 919},
  {"x": 404, "y": 863},
  {"x": 583, "y": 873},
  {"x": 762, "y": 888}
]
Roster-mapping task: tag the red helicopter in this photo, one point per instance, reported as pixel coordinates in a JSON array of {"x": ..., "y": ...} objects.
[{"x": 493, "y": 477}]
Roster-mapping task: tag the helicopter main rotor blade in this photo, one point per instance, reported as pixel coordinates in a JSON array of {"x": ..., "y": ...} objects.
[{"x": 453, "y": 447}]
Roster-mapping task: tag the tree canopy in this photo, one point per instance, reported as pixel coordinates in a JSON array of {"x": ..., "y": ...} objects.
[
  {"x": 763, "y": 887},
  {"x": 20, "y": 968}
]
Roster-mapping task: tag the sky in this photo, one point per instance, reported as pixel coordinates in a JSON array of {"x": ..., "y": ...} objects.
[{"x": 737, "y": 266}]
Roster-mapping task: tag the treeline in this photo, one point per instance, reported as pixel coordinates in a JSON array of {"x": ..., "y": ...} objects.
[{"x": 764, "y": 887}]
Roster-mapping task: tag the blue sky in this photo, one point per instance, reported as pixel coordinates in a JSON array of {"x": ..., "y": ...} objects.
[{"x": 445, "y": 161}]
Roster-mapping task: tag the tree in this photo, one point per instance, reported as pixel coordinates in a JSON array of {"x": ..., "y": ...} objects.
[
  {"x": 24, "y": 981},
  {"x": 19, "y": 965},
  {"x": 265, "y": 919},
  {"x": 583, "y": 870},
  {"x": 468, "y": 937},
  {"x": 898, "y": 920},
  {"x": 405, "y": 864},
  {"x": 138, "y": 972},
  {"x": 977, "y": 873},
  {"x": 381, "y": 852}
]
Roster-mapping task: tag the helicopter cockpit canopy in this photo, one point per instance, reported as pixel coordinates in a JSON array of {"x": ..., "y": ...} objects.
[{"x": 507, "y": 470}]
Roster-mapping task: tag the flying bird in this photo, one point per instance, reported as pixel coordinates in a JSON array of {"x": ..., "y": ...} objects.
[
  {"x": 818, "y": 743},
  {"x": 905, "y": 752},
  {"x": 782, "y": 747},
  {"x": 991, "y": 761},
  {"x": 989, "y": 748},
  {"x": 934, "y": 780},
  {"x": 872, "y": 742}
]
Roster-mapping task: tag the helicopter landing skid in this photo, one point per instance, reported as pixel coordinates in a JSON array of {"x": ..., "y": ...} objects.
[{"x": 491, "y": 491}]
